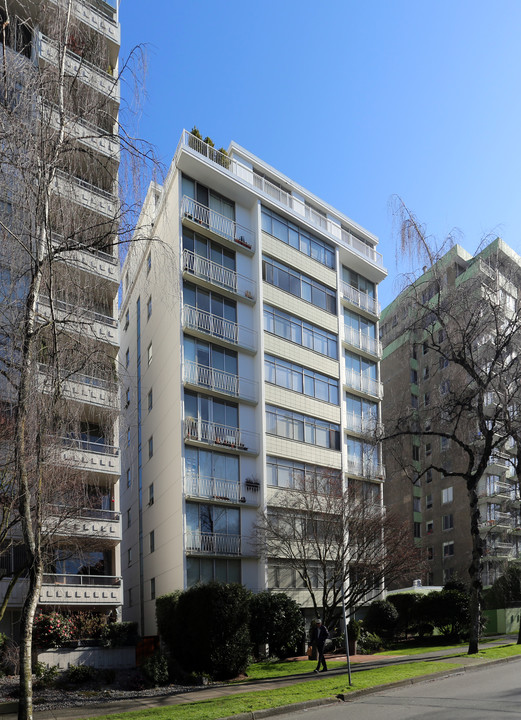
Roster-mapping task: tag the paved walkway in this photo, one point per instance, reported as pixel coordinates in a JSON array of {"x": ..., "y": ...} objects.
[{"x": 358, "y": 663}]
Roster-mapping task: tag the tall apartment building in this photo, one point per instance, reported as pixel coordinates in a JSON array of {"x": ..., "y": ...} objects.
[
  {"x": 76, "y": 306},
  {"x": 250, "y": 340},
  {"x": 416, "y": 371}
]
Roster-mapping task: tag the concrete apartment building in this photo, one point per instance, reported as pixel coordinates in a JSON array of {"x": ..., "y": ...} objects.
[
  {"x": 438, "y": 506},
  {"x": 84, "y": 571},
  {"x": 249, "y": 323}
]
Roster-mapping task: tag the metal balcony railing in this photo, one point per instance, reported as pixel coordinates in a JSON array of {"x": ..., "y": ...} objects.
[
  {"x": 219, "y": 381},
  {"x": 212, "y": 488},
  {"x": 217, "y": 223},
  {"x": 365, "y": 468},
  {"x": 85, "y": 185},
  {"x": 363, "y": 423},
  {"x": 77, "y": 313},
  {"x": 360, "y": 340},
  {"x": 218, "y": 327},
  {"x": 222, "y": 435},
  {"x": 92, "y": 446},
  {"x": 360, "y": 299},
  {"x": 213, "y": 543},
  {"x": 363, "y": 383},
  {"x": 218, "y": 275},
  {"x": 80, "y": 378},
  {"x": 90, "y": 580},
  {"x": 64, "y": 511}
]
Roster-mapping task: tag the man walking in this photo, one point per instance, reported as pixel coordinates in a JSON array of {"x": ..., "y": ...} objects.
[{"x": 318, "y": 638}]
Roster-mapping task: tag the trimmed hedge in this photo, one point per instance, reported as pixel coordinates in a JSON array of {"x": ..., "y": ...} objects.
[{"x": 276, "y": 620}]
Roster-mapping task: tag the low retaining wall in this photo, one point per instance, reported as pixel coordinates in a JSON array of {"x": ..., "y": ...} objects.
[{"x": 98, "y": 657}]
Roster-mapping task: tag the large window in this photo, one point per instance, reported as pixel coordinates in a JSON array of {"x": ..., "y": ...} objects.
[
  {"x": 209, "y": 302},
  {"x": 284, "y": 473},
  {"x": 298, "y": 284},
  {"x": 299, "y": 331},
  {"x": 209, "y": 409},
  {"x": 203, "y": 570},
  {"x": 359, "y": 324},
  {"x": 212, "y": 519},
  {"x": 209, "y": 198},
  {"x": 358, "y": 281},
  {"x": 291, "y": 234},
  {"x": 360, "y": 366},
  {"x": 302, "y": 380},
  {"x": 200, "y": 463},
  {"x": 206, "y": 355},
  {"x": 294, "y": 426},
  {"x": 202, "y": 247}
]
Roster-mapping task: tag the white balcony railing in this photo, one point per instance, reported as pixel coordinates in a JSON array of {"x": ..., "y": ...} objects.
[
  {"x": 213, "y": 543},
  {"x": 78, "y": 314},
  {"x": 360, "y": 299},
  {"x": 212, "y": 488},
  {"x": 218, "y": 275},
  {"x": 225, "y": 227},
  {"x": 83, "y": 580},
  {"x": 363, "y": 423},
  {"x": 221, "y": 435},
  {"x": 219, "y": 381},
  {"x": 100, "y": 447},
  {"x": 341, "y": 236},
  {"x": 365, "y": 468},
  {"x": 218, "y": 327},
  {"x": 363, "y": 383},
  {"x": 360, "y": 340}
]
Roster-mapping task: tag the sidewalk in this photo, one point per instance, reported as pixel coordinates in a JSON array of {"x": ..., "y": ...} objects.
[{"x": 358, "y": 662}]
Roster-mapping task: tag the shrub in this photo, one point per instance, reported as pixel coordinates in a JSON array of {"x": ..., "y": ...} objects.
[
  {"x": 276, "y": 620},
  {"x": 89, "y": 625},
  {"x": 78, "y": 674},
  {"x": 447, "y": 611},
  {"x": 53, "y": 630},
  {"x": 45, "y": 676},
  {"x": 407, "y": 605},
  {"x": 208, "y": 629},
  {"x": 166, "y": 609},
  {"x": 155, "y": 669},
  {"x": 369, "y": 643},
  {"x": 381, "y": 618},
  {"x": 119, "y": 634}
]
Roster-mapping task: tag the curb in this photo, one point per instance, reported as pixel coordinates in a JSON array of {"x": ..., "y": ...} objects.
[{"x": 355, "y": 694}]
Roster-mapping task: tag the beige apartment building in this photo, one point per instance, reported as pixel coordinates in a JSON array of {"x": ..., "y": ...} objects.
[
  {"x": 250, "y": 348},
  {"x": 79, "y": 305},
  {"x": 416, "y": 371}
]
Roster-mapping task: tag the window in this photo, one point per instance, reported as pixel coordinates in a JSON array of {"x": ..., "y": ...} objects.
[
  {"x": 152, "y": 588},
  {"x": 444, "y": 443},
  {"x": 127, "y": 320},
  {"x": 300, "y": 332},
  {"x": 301, "y": 380},
  {"x": 152, "y": 541},
  {"x": 291, "y": 234},
  {"x": 425, "y": 348},
  {"x": 447, "y": 495},
  {"x": 417, "y": 530},
  {"x": 127, "y": 358},
  {"x": 128, "y": 437},
  {"x": 206, "y": 569},
  {"x": 293, "y": 474},
  {"x": 129, "y": 479},
  {"x": 149, "y": 353},
  {"x": 447, "y": 522},
  {"x": 414, "y": 377},
  {"x": 414, "y": 352},
  {"x": 427, "y": 399},
  {"x": 129, "y": 557},
  {"x": 428, "y": 449},
  {"x": 294, "y": 426},
  {"x": 416, "y": 504},
  {"x": 150, "y": 446},
  {"x": 426, "y": 372},
  {"x": 415, "y": 453},
  {"x": 127, "y": 398},
  {"x": 149, "y": 307},
  {"x": 299, "y": 285},
  {"x": 441, "y": 336},
  {"x": 448, "y": 549},
  {"x": 150, "y": 400},
  {"x": 443, "y": 362},
  {"x": 445, "y": 387},
  {"x": 129, "y": 592},
  {"x": 429, "y": 526},
  {"x": 428, "y": 475},
  {"x": 129, "y": 517},
  {"x": 151, "y": 494},
  {"x": 149, "y": 262},
  {"x": 414, "y": 401},
  {"x": 430, "y": 553},
  {"x": 428, "y": 501},
  {"x": 448, "y": 574}
]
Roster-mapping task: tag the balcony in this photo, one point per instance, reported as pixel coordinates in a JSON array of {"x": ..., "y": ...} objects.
[
  {"x": 81, "y": 388},
  {"x": 94, "y": 456},
  {"x": 201, "y": 217},
  {"x": 359, "y": 299},
  {"x": 498, "y": 520},
  {"x": 364, "y": 424},
  {"x": 86, "y": 194},
  {"x": 498, "y": 462},
  {"x": 94, "y": 137},
  {"x": 363, "y": 383},
  {"x": 212, "y": 543},
  {"x": 79, "y": 590},
  {"x": 360, "y": 340},
  {"x": 217, "y": 275},
  {"x": 100, "y": 17},
  {"x": 79, "y": 320},
  {"x": 211, "y": 488},
  {"x": 222, "y": 436},
  {"x": 103, "y": 82},
  {"x": 91, "y": 260},
  {"x": 204, "y": 323},
  {"x": 103, "y": 525},
  {"x": 365, "y": 468},
  {"x": 219, "y": 382}
]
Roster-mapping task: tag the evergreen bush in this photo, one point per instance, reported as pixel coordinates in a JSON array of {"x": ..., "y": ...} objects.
[{"x": 276, "y": 620}]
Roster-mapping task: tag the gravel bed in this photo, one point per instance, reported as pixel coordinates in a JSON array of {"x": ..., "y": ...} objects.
[{"x": 50, "y": 698}]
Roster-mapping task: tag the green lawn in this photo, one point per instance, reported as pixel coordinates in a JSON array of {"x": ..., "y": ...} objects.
[{"x": 266, "y": 670}]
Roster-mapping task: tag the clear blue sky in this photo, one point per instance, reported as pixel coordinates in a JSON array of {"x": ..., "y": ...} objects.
[{"x": 355, "y": 100}]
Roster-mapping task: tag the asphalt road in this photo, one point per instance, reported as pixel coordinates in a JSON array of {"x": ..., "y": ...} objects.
[{"x": 490, "y": 693}]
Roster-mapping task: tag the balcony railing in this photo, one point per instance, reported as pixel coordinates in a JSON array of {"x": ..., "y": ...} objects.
[
  {"x": 365, "y": 468},
  {"x": 219, "y": 381},
  {"x": 213, "y": 543},
  {"x": 212, "y": 488},
  {"x": 61, "y": 243},
  {"x": 218, "y": 327},
  {"x": 363, "y": 383},
  {"x": 75, "y": 377},
  {"x": 360, "y": 299},
  {"x": 363, "y": 423},
  {"x": 91, "y": 446},
  {"x": 361, "y": 340},
  {"x": 341, "y": 236},
  {"x": 221, "y": 435},
  {"x": 218, "y": 275},
  {"x": 85, "y": 580},
  {"x": 217, "y": 223},
  {"x": 499, "y": 461},
  {"x": 64, "y": 511},
  {"x": 77, "y": 313}
]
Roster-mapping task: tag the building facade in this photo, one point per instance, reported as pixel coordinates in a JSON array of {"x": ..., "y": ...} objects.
[
  {"x": 418, "y": 372},
  {"x": 76, "y": 304},
  {"x": 250, "y": 344}
]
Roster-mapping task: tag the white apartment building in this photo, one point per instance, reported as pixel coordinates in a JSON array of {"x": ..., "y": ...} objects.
[
  {"x": 249, "y": 324},
  {"x": 80, "y": 299}
]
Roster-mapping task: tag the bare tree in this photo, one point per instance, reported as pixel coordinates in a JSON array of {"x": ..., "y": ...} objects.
[
  {"x": 336, "y": 538},
  {"x": 59, "y": 218},
  {"x": 463, "y": 314}
]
